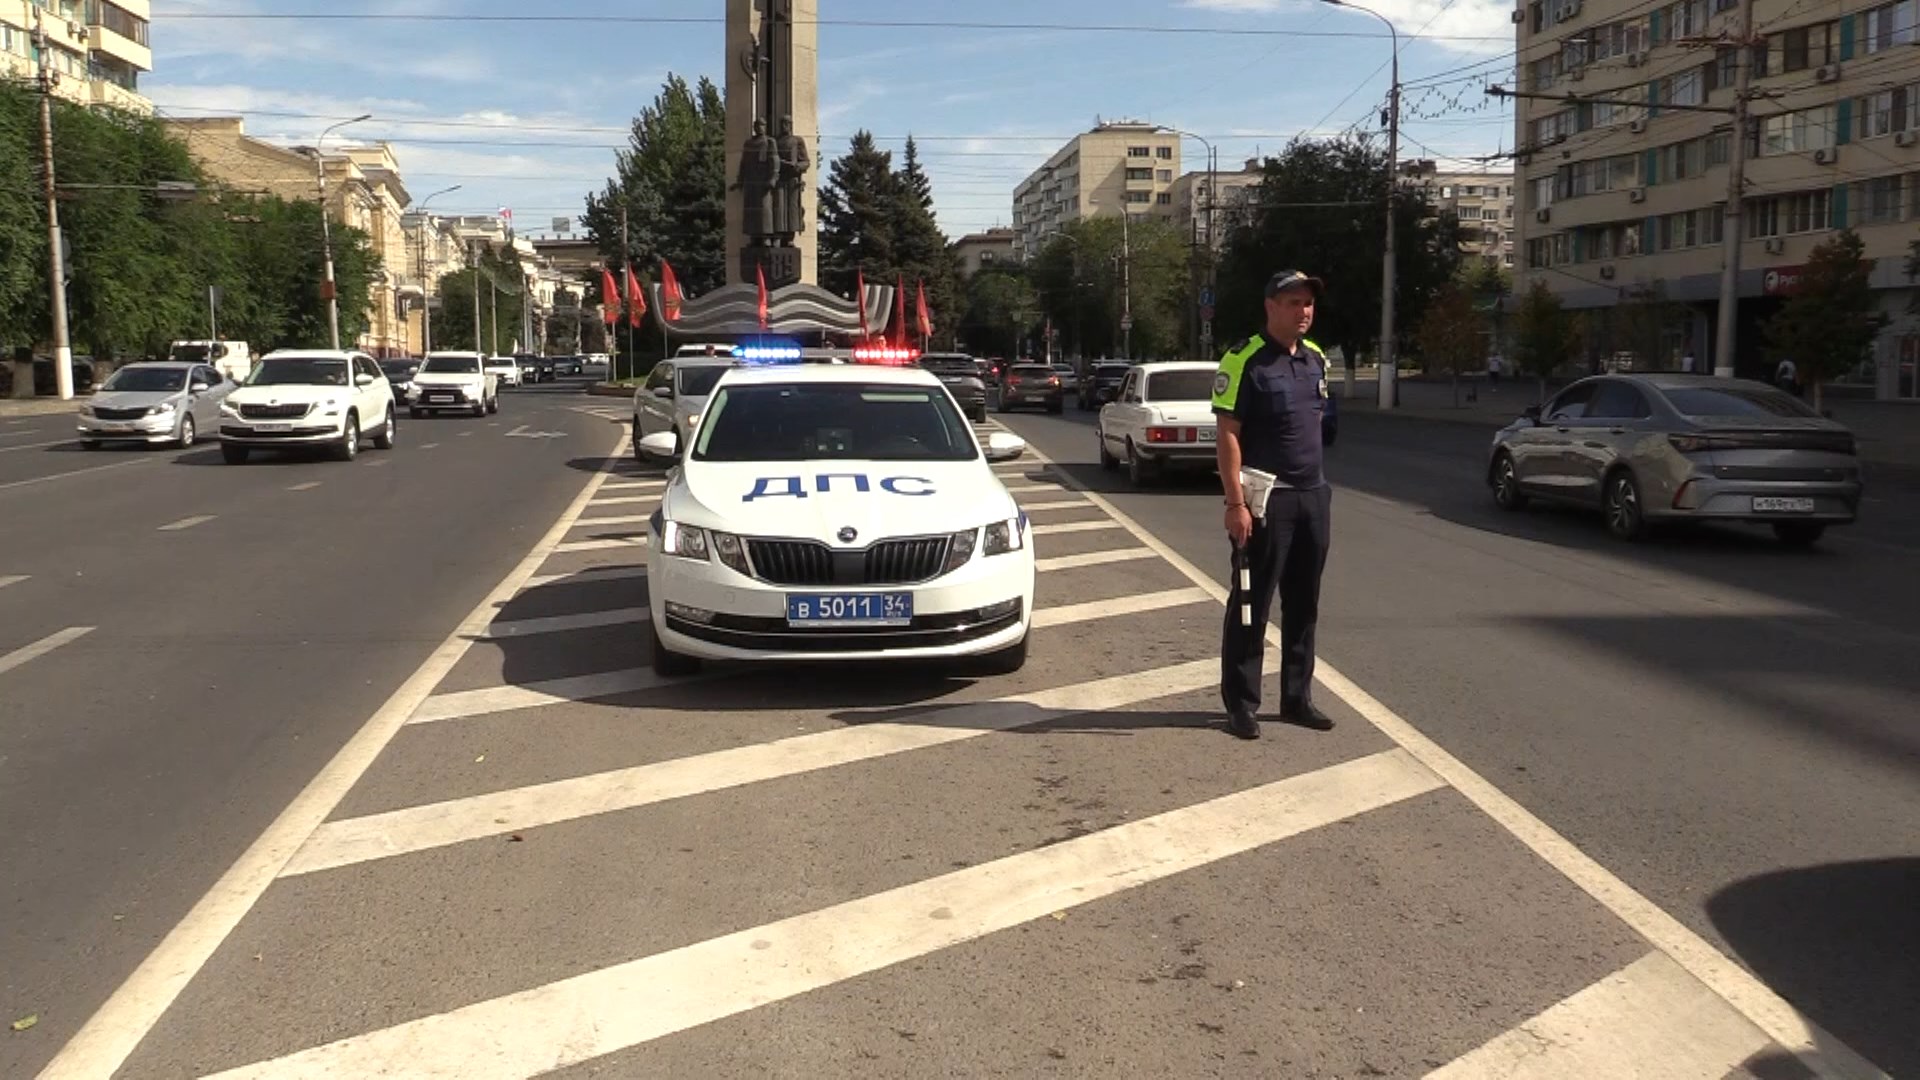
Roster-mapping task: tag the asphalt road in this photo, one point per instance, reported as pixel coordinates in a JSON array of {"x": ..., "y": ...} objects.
[{"x": 533, "y": 857}]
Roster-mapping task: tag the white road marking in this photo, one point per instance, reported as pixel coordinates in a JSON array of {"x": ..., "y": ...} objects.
[
  {"x": 102, "y": 1045},
  {"x": 76, "y": 472},
  {"x": 591, "y": 575},
  {"x": 466, "y": 434},
  {"x": 597, "y": 1013},
  {"x": 1030, "y": 489},
  {"x": 627, "y": 500},
  {"x": 1093, "y": 558},
  {"x": 1119, "y": 605},
  {"x": 460, "y": 704},
  {"x": 1068, "y": 504},
  {"x": 17, "y": 434},
  {"x": 40, "y": 445},
  {"x": 1755, "y": 1000},
  {"x": 308, "y": 486},
  {"x": 635, "y": 485},
  {"x": 187, "y": 523},
  {"x": 428, "y": 445},
  {"x": 1649, "y": 1019},
  {"x": 42, "y": 647},
  {"x": 558, "y": 624},
  {"x": 1074, "y": 527},
  {"x": 418, "y": 828},
  {"x": 12, "y": 579},
  {"x": 621, "y": 519},
  {"x": 606, "y": 544}
]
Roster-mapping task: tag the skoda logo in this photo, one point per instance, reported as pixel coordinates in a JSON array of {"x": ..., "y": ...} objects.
[{"x": 849, "y": 534}]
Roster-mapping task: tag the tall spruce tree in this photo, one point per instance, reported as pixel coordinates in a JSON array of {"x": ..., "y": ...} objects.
[
  {"x": 859, "y": 205},
  {"x": 672, "y": 181}
]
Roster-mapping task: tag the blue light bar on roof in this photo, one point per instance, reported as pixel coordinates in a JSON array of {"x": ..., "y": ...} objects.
[{"x": 767, "y": 350}]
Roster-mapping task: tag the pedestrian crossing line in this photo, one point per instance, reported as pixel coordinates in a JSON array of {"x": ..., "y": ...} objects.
[
  {"x": 622, "y": 519},
  {"x": 1650, "y": 1018},
  {"x": 308, "y": 486},
  {"x": 634, "y": 485},
  {"x": 1119, "y": 605},
  {"x": 557, "y": 624},
  {"x": 604, "y": 544},
  {"x": 1074, "y": 527},
  {"x": 42, "y": 647},
  {"x": 1033, "y": 489},
  {"x": 590, "y": 576},
  {"x": 462, "y": 704},
  {"x": 1093, "y": 558},
  {"x": 187, "y": 523},
  {"x": 11, "y": 579},
  {"x": 420, "y": 828},
  {"x": 627, "y": 500},
  {"x": 1069, "y": 504},
  {"x": 625, "y": 1005}
]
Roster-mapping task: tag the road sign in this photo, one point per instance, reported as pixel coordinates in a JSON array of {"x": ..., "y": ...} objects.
[
  {"x": 1126, "y": 322},
  {"x": 1206, "y": 312},
  {"x": 1206, "y": 298}
]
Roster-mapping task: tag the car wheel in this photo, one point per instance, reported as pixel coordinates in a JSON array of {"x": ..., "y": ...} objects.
[
  {"x": 493, "y": 404},
  {"x": 1004, "y": 407},
  {"x": 348, "y": 447},
  {"x": 1107, "y": 460},
  {"x": 480, "y": 407},
  {"x": 1138, "y": 471},
  {"x": 1506, "y": 484},
  {"x": 979, "y": 415},
  {"x": 390, "y": 434},
  {"x": 1799, "y": 534},
  {"x": 234, "y": 453},
  {"x": 1008, "y": 660},
  {"x": 1625, "y": 518},
  {"x": 672, "y": 665},
  {"x": 187, "y": 433}
]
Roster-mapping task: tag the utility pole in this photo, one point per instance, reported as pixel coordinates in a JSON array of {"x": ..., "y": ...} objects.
[
  {"x": 1736, "y": 189},
  {"x": 326, "y": 230},
  {"x": 56, "y": 271},
  {"x": 493, "y": 312},
  {"x": 426, "y": 286},
  {"x": 1389, "y": 369},
  {"x": 619, "y": 283},
  {"x": 1126, "y": 281},
  {"x": 473, "y": 253}
]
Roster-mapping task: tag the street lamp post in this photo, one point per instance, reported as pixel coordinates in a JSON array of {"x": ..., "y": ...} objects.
[
  {"x": 1213, "y": 198},
  {"x": 56, "y": 265},
  {"x": 426, "y": 289},
  {"x": 326, "y": 230},
  {"x": 1389, "y": 374}
]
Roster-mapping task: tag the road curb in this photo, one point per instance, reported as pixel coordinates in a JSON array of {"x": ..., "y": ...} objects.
[
  {"x": 37, "y": 407},
  {"x": 605, "y": 390}
]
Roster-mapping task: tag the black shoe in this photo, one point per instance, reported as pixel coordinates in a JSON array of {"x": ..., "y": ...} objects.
[
  {"x": 1306, "y": 715},
  {"x": 1243, "y": 725}
]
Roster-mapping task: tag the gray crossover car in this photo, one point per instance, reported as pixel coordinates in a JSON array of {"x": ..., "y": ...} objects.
[{"x": 1646, "y": 449}]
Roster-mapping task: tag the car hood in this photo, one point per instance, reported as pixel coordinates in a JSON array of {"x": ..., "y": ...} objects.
[
  {"x": 447, "y": 378},
  {"x": 134, "y": 399},
  {"x": 288, "y": 394},
  {"x": 753, "y": 499},
  {"x": 1184, "y": 412}
]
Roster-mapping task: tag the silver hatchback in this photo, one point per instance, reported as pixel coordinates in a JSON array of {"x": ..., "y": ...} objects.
[{"x": 1646, "y": 449}]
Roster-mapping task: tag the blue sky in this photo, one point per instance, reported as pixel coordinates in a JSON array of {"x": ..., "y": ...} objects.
[{"x": 988, "y": 104}]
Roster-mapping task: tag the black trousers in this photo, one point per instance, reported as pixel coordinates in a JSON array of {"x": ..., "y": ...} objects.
[{"x": 1288, "y": 550}]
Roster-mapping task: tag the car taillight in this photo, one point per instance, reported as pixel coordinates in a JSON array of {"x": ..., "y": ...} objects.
[
  {"x": 1171, "y": 434},
  {"x": 1690, "y": 444}
]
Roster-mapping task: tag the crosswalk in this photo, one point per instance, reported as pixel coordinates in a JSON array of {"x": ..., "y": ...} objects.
[{"x": 559, "y": 861}]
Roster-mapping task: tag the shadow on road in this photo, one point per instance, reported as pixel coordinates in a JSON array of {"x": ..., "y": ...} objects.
[{"x": 1841, "y": 942}]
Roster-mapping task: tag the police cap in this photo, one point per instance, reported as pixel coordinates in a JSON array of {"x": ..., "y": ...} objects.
[{"x": 1292, "y": 279}]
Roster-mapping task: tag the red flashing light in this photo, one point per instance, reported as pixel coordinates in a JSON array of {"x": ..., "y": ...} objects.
[{"x": 885, "y": 354}]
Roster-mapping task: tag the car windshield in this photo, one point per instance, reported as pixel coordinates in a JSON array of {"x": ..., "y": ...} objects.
[
  {"x": 147, "y": 380},
  {"x": 451, "y": 365},
  {"x": 1736, "y": 401},
  {"x": 398, "y": 368},
  {"x": 1195, "y": 385},
  {"x": 698, "y": 381},
  {"x": 833, "y": 421},
  {"x": 191, "y": 354},
  {"x": 1110, "y": 371},
  {"x": 299, "y": 371}
]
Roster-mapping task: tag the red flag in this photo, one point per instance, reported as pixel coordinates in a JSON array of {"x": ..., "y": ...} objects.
[
  {"x": 900, "y": 310},
  {"x": 669, "y": 293},
  {"x": 760, "y": 275},
  {"x": 636, "y": 300},
  {"x": 923, "y": 316},
  {"x": 860, "y": 298},
  {"x": 609, "y": 297}
]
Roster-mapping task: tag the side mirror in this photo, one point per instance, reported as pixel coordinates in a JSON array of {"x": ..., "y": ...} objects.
[
  {"x": 363, "y": 380},
  {"x": 663, "y": 392},
  {"x": 199, "y": 388},
  {"x": 1531, "y": 412},
  {"x": 1005, "y": 446},
  {"x": 660, "y": 444}
]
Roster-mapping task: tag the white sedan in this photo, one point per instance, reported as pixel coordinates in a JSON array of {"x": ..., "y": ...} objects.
[
  {"x": 1161, "y": 419},
  {"x": 837, "y": 512}
]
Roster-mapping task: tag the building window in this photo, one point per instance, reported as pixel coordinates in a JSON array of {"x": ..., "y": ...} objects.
[
  {"x": 1880, "y": 201},
  {"x": 1608, "y": 113},
  {"x": 1165, "y": 198},
  {"x": 1887, "y": 112},
  {"x": 1719, "y": 148},
  {"x": 1165, "y": 176},
  {"x": 1543, "y": 191},
  {"x": 1164, "y": 153},
  {"x": 1139, "y": 196},
  {"x": 1545, "y": 251},
  {"x": 1808, "y": 46},
  {"x": 1548, "y": 128},
  {"x": 1785, "y": 215},
  {"x": 1140, "y": 174},
  {"x": 117, "y": 19},
  {"x": 1890, "y": 25},
  {"x": 1616, "y": 241},
  {"x": 1139, "y": 151},
  {"x": 1603, "y": 174},
  {"x": 1796, "y": 132}
]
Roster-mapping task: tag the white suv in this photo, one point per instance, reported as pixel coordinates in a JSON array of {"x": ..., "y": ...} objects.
[
  {"x": 454, "y": 381},
  {"x": 505, "y": 368},
  {"x": 309, "y": 397}
]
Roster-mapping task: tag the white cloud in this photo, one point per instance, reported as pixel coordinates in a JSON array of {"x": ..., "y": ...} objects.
[{"x": 1490, "y": 19}]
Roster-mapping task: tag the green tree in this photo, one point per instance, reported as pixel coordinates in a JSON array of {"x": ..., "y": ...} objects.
[
  {"x": 1082, "y": 276},
  {"x": 1320, "y": 207},
  {"x": 1644, "y": 322},
  {"x": 672, "y": 181},
  {"x": 1545, "y": 334},
  {"x": 23, "y": 234},
  {"x": 1829, "y": 325},
  {"x": 859, "y": 210},
  {"x": 501, "y": 289},
  {"x": 1000, "y": 309},
  {"x": 1452, "y": 334}
]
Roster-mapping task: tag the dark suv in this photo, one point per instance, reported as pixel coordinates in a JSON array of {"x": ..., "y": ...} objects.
[
  {"x": 1100, "y": 383},
  {"x": 961, "y": 375}
]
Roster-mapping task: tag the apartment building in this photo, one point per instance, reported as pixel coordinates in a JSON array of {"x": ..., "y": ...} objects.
[
  {"x": 1233, "y": 197},
  {"x": 1482, "y": 201},
  {"x": 1117, "y": 164},
  {"x": 983, "y": 250},
  {"x": 97, "y": 48},
  {"x": 1624, "y": 187}
]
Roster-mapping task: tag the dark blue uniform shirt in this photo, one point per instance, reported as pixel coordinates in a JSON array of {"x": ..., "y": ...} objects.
[{"x": 1279, "y": 398}]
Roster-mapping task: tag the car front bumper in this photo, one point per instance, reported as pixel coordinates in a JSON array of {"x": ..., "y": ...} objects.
[
  {"x": 295, "y": 433},
  {"x": 981, "y": 608},
  {"x": 430, "y": 399},
  {"x": 147, "y": 429}
]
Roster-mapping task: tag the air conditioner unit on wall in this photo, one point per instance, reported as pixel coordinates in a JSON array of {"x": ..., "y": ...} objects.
[
  {"x": 1633, "y": 59},
  {"x": 1637, "y": 126},
  {"x": 1638, "y": 194},
  {"x": 1543, "y": 214},
  {"x": 1827, "y": 73},
  {"x": 1577, "y": 74},
  {"x": 1825, "y": 156},
  {"x": 1776, "y": 246},
  {"x": 1905, "y": 138}
]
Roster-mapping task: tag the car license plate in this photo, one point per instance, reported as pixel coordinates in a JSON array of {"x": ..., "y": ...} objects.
[
  {"x": 849, "y": 609},
  {"x": 444, "y": 399},
  {"x": 1206, "y": 434},
  {"x": 272, "y": 427},
  {"x": 1776, "y": 505}
]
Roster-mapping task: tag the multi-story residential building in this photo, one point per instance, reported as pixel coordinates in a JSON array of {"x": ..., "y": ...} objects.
[
  {"x": 984, "y": 250},
  {"x": 1117, "y": 164},
  {"x": 1624, "y": 170},
  {"x": 1482, "y": 201},
  {"x": 1232, "y": 204},
  {"x": 98, "y": 48}
]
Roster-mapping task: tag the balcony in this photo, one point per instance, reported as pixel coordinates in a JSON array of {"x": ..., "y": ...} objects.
[{"x": 115, "y": 96}]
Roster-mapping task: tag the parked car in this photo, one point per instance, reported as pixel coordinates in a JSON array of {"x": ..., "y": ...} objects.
[
  {"x": 674, "y": 397},
  {"x": 567, "y": 365},
  {"x": 1026, "y": 385},
  {"x": 306, "y": 398},
  {"x": 960, "y": 374},
  {"x": 46, "y": 384},
  {"x": 1100, "y": 383},
  {"x": 1646, "y": 449},
  {"x": 161, "y": 402},
  {"x": 1163, "y": 419}
]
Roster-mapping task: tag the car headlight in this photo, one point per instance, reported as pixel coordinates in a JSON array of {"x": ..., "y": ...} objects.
[
  {"x": 86, "y": 409},
  {"x": 960, "y": 550},
  {"x": 161, "y": 409},
  {"x": 684, "y": 540},
  {"x": 230, "y": 407},
  {"x": 1008, "y": 535},
  {"x": 732, "y": 552},
  {"x": 332, "y": 408}
]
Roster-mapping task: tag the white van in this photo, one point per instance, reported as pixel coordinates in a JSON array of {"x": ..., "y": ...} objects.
[{"x": 230, "y": 358}]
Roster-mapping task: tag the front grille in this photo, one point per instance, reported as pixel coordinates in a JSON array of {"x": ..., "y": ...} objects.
[
  {"x": 905, "y": 562},
  {"x": 791, "y": 562},
  {"x": 103, "y": 413},
  {"x": 274, "y": 412}
]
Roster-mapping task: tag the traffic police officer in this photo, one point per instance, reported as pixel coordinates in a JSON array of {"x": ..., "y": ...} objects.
[{"x": 1269, "y": 396}]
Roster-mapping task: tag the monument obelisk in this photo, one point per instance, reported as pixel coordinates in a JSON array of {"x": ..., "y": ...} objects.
[{"x": 773, "y": 137}]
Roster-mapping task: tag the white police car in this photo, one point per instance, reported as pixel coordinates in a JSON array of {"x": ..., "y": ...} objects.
[{"x": 839, "y": 511}]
